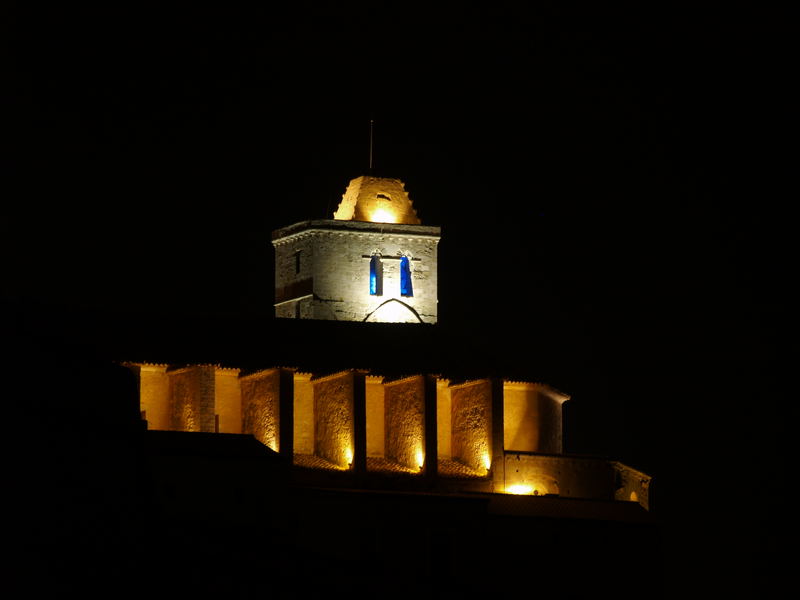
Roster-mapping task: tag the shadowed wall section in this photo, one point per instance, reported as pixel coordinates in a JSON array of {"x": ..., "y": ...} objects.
[{"x": 532, "y": 417}]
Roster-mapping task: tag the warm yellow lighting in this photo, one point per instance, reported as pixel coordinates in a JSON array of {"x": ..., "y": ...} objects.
[
  {"x": 420, "y": 459},
  {"x": 487, "y": 462},
  {"x": 382, "y": 215},
  {"x": 393, "y": 312},
  {"x": 348, "y": 454},
  {"x": 520, "y": 488}
]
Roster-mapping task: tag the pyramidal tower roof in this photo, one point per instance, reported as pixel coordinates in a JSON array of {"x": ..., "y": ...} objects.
[{"x": 376, "y": 200}]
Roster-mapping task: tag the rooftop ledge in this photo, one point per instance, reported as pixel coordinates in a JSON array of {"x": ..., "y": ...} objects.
[{"x": 355, "y": 227}]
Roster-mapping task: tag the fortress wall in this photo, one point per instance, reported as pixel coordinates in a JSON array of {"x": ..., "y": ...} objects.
[
  {"x": 392, "y": 422},
  {"x": 154, "y": 395},
  {"x": 376, "y": 437},
  {"x": 533, "y": 417},
  {"x": 333, "y": 418},
  {"x": 228, "y": 400},
  {"x": 303, "y": 414},
  {"x": 551, "y": 419},
  {"x": 631, "y": 485},
  {"x": 260, "y": 393},
  {"x": 472, "y": 423},
  {"x": 444, "y": 411},
  {"x": 521, "y": 426},
  {"x": 191, "y": 391},
  {"x": 405, "y": 421},
  {"x": 574, "y": 477}
]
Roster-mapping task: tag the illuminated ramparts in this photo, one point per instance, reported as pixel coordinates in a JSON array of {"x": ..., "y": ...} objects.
[{"x": 487, "y": 435}]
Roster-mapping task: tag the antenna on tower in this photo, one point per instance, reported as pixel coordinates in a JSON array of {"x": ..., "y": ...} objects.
[{"x": 370, "y": 146}]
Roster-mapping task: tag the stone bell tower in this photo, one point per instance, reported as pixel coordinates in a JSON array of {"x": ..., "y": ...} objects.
[{"x": 374, "y": 261}]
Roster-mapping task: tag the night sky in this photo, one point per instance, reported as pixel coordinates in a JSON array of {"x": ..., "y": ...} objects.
[{"x": 610, "y": 185}]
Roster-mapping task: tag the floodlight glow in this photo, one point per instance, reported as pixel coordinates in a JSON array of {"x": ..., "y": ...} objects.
[{"x": 382, "y": 215}]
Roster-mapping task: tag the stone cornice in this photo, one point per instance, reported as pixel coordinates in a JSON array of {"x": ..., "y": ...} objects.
[{"x": 354, "y": 227}]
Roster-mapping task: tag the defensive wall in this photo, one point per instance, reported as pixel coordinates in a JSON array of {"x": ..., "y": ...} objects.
[{"x": 482, "y": 435}]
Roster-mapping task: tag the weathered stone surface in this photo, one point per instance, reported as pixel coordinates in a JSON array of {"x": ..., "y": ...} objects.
[
  {"x": 532, "y": 459},
  {"x": 471, "y": 423},
  {"x": 376, "y": 199},
  {"x": 405, "y": 421},
  {"x": 192, "y": 399},
  {"x": 260, "y": 414},
  {"x": 322, "y": 271},
  {"x": 333, "y": 411},
  {"x": 154, "y": 395}
]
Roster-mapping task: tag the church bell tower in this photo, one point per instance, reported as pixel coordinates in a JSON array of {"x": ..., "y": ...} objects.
[{"x": 374, "y": 261}]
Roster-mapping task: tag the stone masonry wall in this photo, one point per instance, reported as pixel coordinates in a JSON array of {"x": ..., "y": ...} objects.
[
  {"x": 395, "y": 422},
  {"x": 341, "y": 275},
  {"x": 520, "y": 417},
  {"x": 333, "y": 416},
  {"x": 154, "y": 395},
  {"x": 333, "y": 266},
  {"x": 192, "y": 399},
  {"x": 375, "y": 416},
  {"x": 532, "y": 417},
  {"x": 288, "y": 280},
  {"x": 632, "y": 485},
  {"x": 444, "y": 414},
  {"x": 550, "y": 421},
  {"x": 304, "y": 428},
  {"x": 472, "y": 423},
  {"x": 573, "y": 477},
  {"x": 405, "y": 421},
  {"x": 228, "y": 400},
  {"x": 260, "y": 414}
]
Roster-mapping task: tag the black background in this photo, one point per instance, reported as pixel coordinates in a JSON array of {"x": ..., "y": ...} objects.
[{"x": 610, "y": 183}]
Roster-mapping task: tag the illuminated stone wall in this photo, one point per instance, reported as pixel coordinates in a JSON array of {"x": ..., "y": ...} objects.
[
  {"x": 532, "y": 417},
  {"x": 393, "y": 426},
  {"x": 228, "y": 400},
  {"x": 333, "y": 418},
  {"x": 191, "y": 399},
  {"x": 337, "y": 271},
  {"x": 471, "y": 428},
  {"x": 444, "y": 412},
  {"x": 154, "y": 395},
  {"x": 303, "y": 414},
  {"x": 376, "y": 199},
  {"x": 293, "y": 278},
  {"x": 575, "y": 477},
  {"x": 631, "y": 485},
  {"x": 260, "y": 394},
  {"x": 375, "y": 415},
  {"x": 405, "y": 421}
]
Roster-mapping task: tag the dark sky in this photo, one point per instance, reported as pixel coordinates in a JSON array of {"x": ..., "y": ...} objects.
[{"x": 609, "y": 183}]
